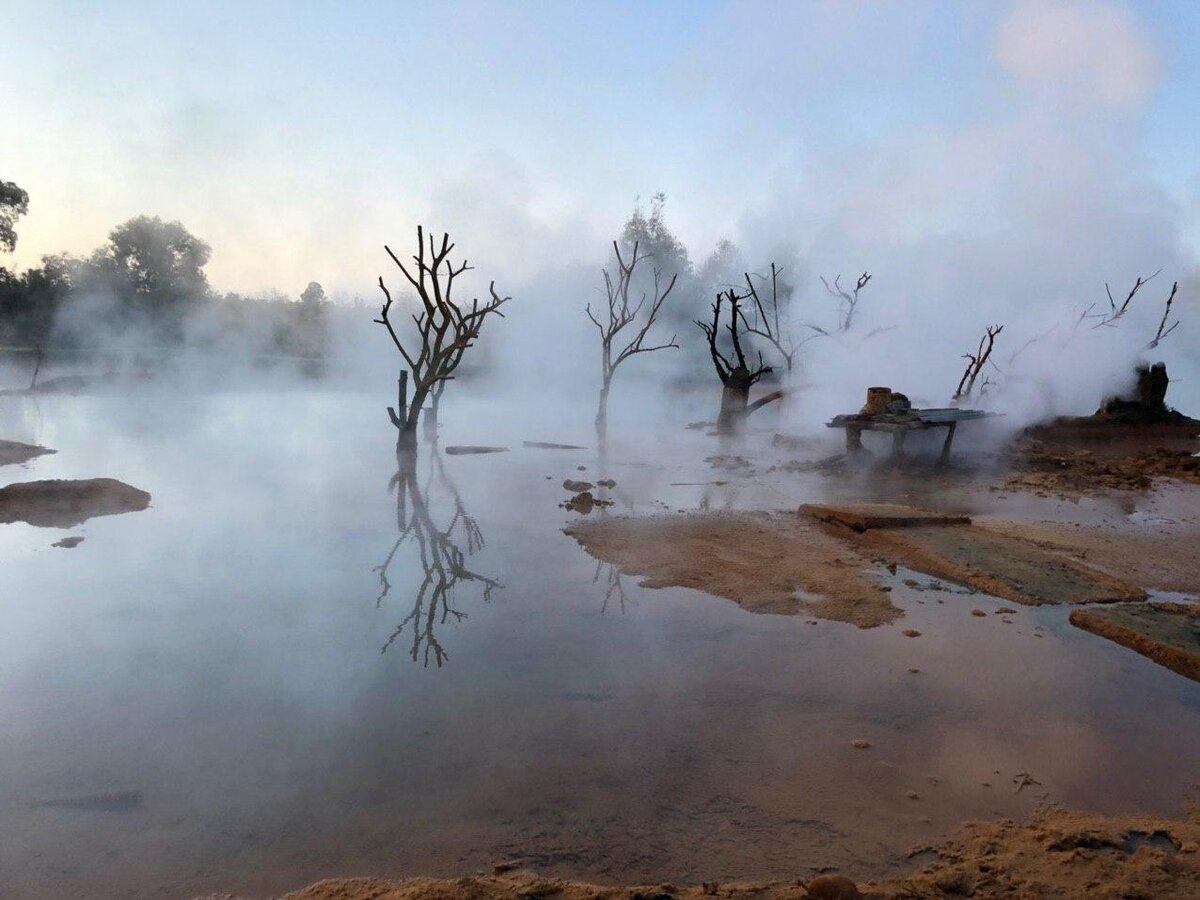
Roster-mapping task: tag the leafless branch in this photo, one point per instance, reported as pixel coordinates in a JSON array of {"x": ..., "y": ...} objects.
[
  {"x": 1163, "y": 328},
  {"x": 976, "y": 362},
  {"x": 726, "y": 368},
  {"x": 767, "y": 321},
  {"x": 622, "y": 313},
  {"x": 445, "y": 329},
  {"x": 847, "y": 300}
]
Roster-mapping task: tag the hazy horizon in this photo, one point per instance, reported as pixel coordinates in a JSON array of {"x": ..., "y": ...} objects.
[{"x": 296, "y": 141}]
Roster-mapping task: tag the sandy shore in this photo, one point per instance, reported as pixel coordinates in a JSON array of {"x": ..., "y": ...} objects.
[{"x": 1060, "y": 854}]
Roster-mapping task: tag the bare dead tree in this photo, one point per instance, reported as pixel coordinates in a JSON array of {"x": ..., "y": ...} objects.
[
  {"x": 768, "y": 323},
  {"x": 976, "y": 362},
  {"x": 445, "y": 329},
  {"x": 1163, "y": 328},
  {"x": 622, "y": 313},
  {"x": 736, "y": 375},
  {"x": 441, "y": 560},
  {"x": 1116, "y": 311},
  {"x": 37, "y": 363},
  {"x": 847, "y": 300}
]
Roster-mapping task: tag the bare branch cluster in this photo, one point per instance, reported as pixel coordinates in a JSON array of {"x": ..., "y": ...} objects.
[
  {"x": 622, "y": 312},
  {"x": 768, "y": 323},
  {"x": 737, "y": 367},
  {"x": 445, "y": 328},
  {"x": 847, "y": 301},
  {"x": 1116, "y": 311},
  {"x": 1163, "y": 328},
  {"x": 976, "y": 362}
]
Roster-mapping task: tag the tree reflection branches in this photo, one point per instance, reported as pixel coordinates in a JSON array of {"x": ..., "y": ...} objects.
[
  {"x": 613, "y": 586},
  {"x": 439, "y": 553}
]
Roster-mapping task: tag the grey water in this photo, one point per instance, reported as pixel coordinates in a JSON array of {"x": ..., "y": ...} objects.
[{"x": 261, "y": 681}]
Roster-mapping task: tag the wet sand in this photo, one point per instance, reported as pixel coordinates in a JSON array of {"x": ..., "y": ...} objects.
[{"x": 759, "y": 560}]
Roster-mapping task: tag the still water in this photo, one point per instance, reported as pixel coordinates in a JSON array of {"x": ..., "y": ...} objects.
[{"x": 257, "y": 682}]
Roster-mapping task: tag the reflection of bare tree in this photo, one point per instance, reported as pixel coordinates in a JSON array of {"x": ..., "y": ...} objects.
[
  {"x": 442, "y": 561},
  {"x": 613, "y": 586}
]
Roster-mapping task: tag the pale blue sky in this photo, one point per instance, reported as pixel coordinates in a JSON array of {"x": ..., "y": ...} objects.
[{"x": 297, "y": 137}]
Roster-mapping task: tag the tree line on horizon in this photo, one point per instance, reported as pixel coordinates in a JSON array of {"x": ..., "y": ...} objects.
[{"x": 147, "y": 281}]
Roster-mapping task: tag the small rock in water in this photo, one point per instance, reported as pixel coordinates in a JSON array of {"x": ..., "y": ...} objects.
[
  {"x": 911, "y": 632},
  {"x": 576, "y": 487},
  {"x": 583, "y": 503},
  {"x": 978, "y": 612},
  {"x": 68, "y": 542},
  {"x": 464, "y": 451},
  {"x": 861, "y": 745},
  {"x": 549, "y": 445},
  {"x": 607, "y": 483}
]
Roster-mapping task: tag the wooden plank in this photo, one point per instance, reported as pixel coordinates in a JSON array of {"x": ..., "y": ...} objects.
[{"x": 864, "y": 516}]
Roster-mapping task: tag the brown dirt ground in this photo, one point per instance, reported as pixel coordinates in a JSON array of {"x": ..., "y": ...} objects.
[
  {"x": 758, "y": 560},
  {"x": 14, "y": 453},
  {"x": 1060, "y": 854},
  {"x": 1074, "y": 456},
  {"x": 64, "y": 504}
]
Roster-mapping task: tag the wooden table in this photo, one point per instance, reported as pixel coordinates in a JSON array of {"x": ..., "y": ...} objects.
[{"x": 899, "y": 424}]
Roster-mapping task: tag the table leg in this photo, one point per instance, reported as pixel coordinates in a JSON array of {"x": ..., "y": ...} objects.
[
  {"x": 853, "y": 440},
  {"x": 945, "y": 457}
]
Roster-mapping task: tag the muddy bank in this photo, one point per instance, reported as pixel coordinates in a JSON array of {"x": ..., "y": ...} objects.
[
  {"x": 14, "y": 453},
  {"x": 1060, "y": 854},
  {"x": 761, "y": 561},
  {"x": 63, "y": 504},
  {"x": 1072, "y": 456},
  {"x": 1154, "y": 558},
  {"x": 949, "y": 546},
  {"x": 1168, "y": 633}
]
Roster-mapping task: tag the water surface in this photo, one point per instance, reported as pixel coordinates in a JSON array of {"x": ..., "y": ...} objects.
[{"x": 227, "y": 693}]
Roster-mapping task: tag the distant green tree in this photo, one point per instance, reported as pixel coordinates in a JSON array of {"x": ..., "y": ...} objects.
[
  {"x": 30, "y": 301},
  {"x": 655, "y": 240},
  {"x": 154, "y": 270},
  {"x": 723, "y": 268},
  {"x": 158, "y": 262},
  {"x": 312, "y": 294},
  {"x": 14, "y": 203},
  {"x": 311, "y": 334}
]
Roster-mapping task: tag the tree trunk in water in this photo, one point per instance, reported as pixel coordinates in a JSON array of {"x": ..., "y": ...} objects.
[
  {"x": 406, "y": 428},
  {"x": 406, "y": 441},
  {"x": 602, "y": 411},
  {"x": 734, "y": 397},
  {"x": 431, "y": 419}
]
